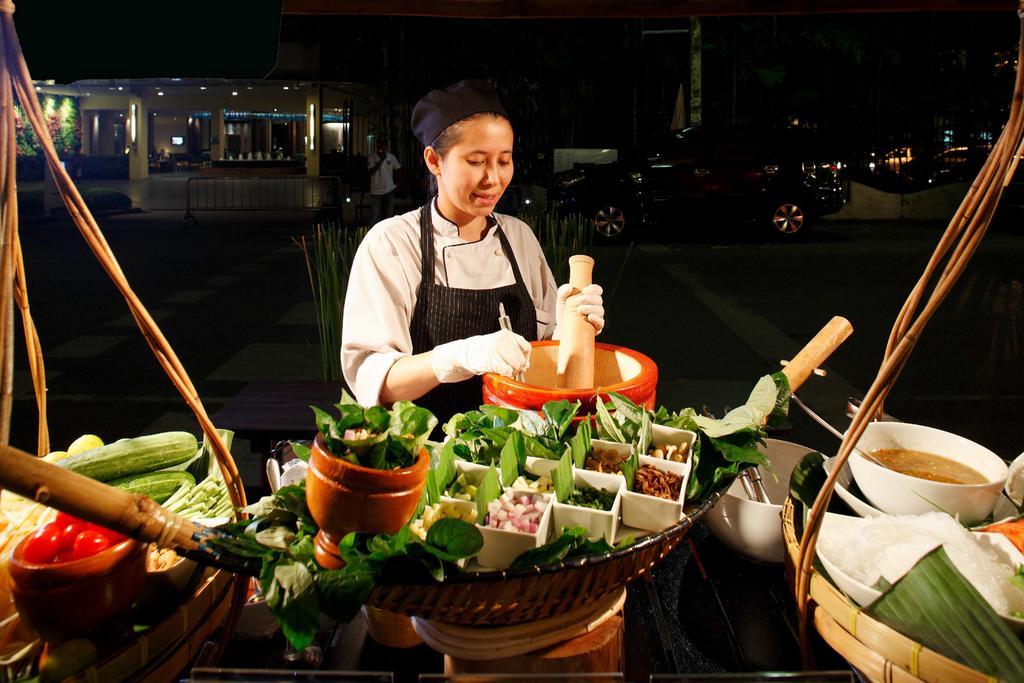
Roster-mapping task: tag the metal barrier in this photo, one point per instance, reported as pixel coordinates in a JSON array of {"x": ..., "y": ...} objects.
[{"x": 262, "y": 193}]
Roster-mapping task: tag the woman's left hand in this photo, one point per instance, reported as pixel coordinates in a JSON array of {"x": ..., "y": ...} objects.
[{"x": 589, "y": 303}]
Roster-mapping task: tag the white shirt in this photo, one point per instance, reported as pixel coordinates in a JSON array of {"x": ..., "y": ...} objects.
[
  {"x": 383, "y": 179},
  {"x": 386, "y": 274}
]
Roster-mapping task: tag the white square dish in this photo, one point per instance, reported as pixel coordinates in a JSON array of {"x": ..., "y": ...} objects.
[
  {"x": 652, "y": 513},
  {"x": 501, "y": 547},
  {"x": 597, "y": 522}
]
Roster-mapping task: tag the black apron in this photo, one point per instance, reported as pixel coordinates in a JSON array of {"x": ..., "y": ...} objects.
[{"x": 444, "y": 314}]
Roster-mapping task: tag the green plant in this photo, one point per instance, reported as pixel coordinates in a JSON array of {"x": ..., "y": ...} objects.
[
  {"x": 561, "y": 237},
  {"x": 329, "y": 253}
]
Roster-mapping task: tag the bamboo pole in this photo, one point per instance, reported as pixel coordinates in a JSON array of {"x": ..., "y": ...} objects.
[{"x": 953, "y": 253}]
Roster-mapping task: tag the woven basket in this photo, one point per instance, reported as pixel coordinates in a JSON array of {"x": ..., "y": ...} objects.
[
  {"x": 515, "y": 596},
  {"x": 882, "y": 654}
]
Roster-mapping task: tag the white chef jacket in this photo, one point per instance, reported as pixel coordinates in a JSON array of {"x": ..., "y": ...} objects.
[
  {"x": 383, "y": 179},
  {"x": 385, "y": 277}
]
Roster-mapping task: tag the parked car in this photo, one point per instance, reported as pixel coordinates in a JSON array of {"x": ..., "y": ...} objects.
[{"x": 781, "y": 178}]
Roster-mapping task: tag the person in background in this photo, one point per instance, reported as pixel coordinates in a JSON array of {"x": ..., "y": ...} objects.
[
  {"x": 421, "y": 309},
  {"x": 382, "y": 166}
]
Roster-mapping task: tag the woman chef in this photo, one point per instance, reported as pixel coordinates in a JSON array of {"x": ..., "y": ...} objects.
[{"x": 421, "y": 311}]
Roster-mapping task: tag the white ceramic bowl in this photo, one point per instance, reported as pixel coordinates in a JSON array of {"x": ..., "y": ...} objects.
[
  {"x": 901, "y": 494},
  {"x": 754, "y": 529}
]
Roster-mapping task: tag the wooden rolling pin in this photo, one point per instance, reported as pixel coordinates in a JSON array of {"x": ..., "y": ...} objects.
[{"x": 575, "y": 369}]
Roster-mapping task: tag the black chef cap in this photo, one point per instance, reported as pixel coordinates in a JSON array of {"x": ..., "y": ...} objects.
[{"x": 441, "y": 108}]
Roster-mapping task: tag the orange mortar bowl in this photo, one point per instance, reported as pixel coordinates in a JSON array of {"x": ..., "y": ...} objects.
[{"x": 616, "y": 369}]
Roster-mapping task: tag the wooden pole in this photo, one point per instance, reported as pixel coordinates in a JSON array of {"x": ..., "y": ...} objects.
[{"x": 575, "y": 369}]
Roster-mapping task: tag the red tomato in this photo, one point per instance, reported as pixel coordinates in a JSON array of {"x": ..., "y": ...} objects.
[
  {"x": 109, "y": 533},
  {"x": 63, "y": 519},
  {"x": 44, "y": 543},
  {"x": 70, "y": 528},
  {"x": 89, "y": 543}
]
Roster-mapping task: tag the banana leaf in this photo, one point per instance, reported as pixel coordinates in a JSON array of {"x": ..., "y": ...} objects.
[{"x": 936, "y": 606}]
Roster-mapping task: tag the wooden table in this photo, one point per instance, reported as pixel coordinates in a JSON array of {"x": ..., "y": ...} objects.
[{"x": 268, "y": 412}]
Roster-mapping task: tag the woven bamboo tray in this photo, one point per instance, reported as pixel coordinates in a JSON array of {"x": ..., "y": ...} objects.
[
  {"x": 882, "y": 654},
  {"x": 511, "y": 597}
]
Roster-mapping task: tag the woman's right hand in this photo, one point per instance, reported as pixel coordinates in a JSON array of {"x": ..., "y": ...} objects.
[{"x": 503, "y": 352}]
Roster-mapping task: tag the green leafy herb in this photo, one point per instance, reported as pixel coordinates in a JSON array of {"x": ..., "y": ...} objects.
[
  {"x": 595, "y": 499},
  {"x": 301, "y": 451},
  {"x": 573, "y": 542},
  {"x": 375, "y": 437},
  {"x": 431, "y": 490},
  {"x": 488, "y": 490},
  {"x": 807, "y": 479},
  {"x": 297, "y": 589},
  {"x": 562, "y": 477}
]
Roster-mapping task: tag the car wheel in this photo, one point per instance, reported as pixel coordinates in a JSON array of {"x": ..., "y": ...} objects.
[
  {"x": 609, "y": 221},
  {"x": 788, "y": 219}
]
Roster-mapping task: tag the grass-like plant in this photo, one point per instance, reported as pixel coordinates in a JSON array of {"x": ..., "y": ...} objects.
[
  {"x": 561, "y": 237},
  {"x": 329, "y": 253}
]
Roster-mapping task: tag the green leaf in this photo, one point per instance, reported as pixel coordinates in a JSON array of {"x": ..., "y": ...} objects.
[
  {"x": 431, "y": 490},
  {"x": 445, "y": 471},
  {"x": 781, "y": 410},
  {"x": 301, "y": 451},
  {"x": 377, "y": 419},
  {"x": 559, "y": 415},
  {"x": 350, "y": 416},
  {"x": 645, "y": 435},
  {"x": 513, "y": 458},
  {"x": 934, "y": 604},
  {"x": 629, "y": 467},
  {"x": 457, "y": 538},
  {"x": 552, "y": 551},
  {"x": 500, "y": 417},
  {"x": 276, "y": 537},
  {"x": 807, "y": 479},
  {"x": 325, "y": 425},
  {"x": 579, "y": 444},
  {"x": 411, "y": 426},
  {"x": 488, "y": 490},
  {"x": 343, "y": 591},
  {"x": 347, "y": 399},
  {"x": 607, "y": 427},
  {"x": 562, "y": 477},
  {"x": 292, "y": 598}
]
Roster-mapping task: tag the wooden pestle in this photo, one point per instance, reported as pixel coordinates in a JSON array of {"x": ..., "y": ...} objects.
[
  {"x": 575, "y": 369},
  {"x": 797, "y": 371},
  {"x": 816, "y": 351}
]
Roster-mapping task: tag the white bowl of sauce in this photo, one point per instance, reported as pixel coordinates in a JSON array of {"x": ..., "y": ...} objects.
[{"x": 927, "y": 470}]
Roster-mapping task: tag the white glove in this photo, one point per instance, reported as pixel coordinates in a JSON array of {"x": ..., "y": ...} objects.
[
  {"x": 503, "y": 352},
  {"x": 588, "y": 302}
]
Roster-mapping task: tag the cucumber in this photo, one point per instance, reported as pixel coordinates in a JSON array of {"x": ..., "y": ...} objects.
[
  {"x": 157, "y": 485},
  {"x": 127, "y": 457}
]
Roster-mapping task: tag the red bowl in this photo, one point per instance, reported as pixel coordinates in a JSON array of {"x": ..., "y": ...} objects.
[
  {"x": 616, "y": 369},
  {"x": 70, "y": 599}
]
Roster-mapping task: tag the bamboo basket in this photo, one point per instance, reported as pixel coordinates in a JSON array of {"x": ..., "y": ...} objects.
[
  {"x": 165, "y": 650},
  {"x": 880, "y": 652}
]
